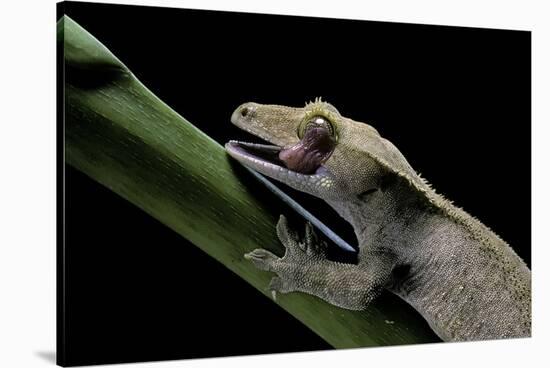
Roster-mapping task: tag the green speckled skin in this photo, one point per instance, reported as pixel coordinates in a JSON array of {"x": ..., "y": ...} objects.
[{"x": 460, "y": 276}]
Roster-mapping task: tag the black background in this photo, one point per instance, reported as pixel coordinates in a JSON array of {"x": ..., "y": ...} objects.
[{"x": 455, "y": 101}]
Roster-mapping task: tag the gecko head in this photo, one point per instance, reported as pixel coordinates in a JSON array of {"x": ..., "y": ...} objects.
[{"x": 313, "y": 149}]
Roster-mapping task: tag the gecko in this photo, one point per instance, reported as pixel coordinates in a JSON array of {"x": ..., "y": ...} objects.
[{"x": 464, "y": 280}]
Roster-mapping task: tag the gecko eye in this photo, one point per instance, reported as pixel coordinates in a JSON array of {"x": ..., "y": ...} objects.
[
  {"x": 317, "y": 141},
  {"x": 317, "y": 122}
]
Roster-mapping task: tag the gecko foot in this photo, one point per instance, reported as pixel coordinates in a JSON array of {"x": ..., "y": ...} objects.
[{"x": 298, "y": 255}]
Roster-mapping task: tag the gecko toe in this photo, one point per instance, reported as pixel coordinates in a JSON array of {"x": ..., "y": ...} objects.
[
  {"x": 262, "y": 259},
  {"x": 285, "y": 234}
]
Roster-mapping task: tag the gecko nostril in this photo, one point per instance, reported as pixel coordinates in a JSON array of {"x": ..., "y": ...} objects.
[{"x": 244, "y": 111}]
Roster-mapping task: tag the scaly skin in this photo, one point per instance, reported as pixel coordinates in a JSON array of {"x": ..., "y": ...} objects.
[{"x": 460, "y": 276}]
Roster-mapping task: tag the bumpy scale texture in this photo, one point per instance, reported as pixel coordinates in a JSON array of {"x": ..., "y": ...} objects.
[{"x": 460, "y": 276}]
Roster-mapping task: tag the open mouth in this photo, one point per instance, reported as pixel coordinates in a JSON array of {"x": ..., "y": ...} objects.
[
  {"x": 264, "y": 159},
  {"x": 255, "y": 153},
  {"x": 305, "y": 158}
]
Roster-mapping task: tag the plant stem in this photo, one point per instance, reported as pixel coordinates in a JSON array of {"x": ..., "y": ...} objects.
[{"x": 123, "y": 136}]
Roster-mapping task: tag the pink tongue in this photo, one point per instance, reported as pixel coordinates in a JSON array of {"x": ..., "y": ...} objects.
[{"x": 308, "y": 154}]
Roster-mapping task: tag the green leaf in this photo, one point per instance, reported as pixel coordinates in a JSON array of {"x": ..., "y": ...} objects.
[{"x": 123, "y": 136}]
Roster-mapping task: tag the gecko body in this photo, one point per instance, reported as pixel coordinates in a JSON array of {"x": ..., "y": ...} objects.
[{"x": 460, "y": 276}]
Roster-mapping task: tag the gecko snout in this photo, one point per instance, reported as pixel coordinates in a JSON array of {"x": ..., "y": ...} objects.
[{"x": 245, "y": 112}]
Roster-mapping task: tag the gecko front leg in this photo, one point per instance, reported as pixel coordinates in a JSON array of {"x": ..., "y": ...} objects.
[{"x": 305, "y": 268}]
